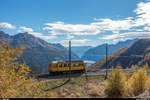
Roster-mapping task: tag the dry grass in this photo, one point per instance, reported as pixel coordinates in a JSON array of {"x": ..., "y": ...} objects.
[
  {"x": 94, "y": 91},
  {"x": 80, "y": 88}
]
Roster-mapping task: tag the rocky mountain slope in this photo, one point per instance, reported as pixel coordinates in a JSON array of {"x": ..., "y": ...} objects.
[
  {"x": 37, "y": 51},
  {"x": 136, "y": 54}
]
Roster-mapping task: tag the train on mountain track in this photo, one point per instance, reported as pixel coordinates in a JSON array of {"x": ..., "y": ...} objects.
[{"x": 62, "y": 67}]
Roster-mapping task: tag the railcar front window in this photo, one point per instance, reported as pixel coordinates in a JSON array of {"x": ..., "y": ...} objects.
[{"x": 55, "y": 65}]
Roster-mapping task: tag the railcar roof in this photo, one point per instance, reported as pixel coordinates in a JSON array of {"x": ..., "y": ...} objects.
[{"x": 72, "y": 61}]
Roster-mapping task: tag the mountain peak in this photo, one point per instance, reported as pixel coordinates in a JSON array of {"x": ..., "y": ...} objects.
[
  {"x": 25, "y": 34},
  {"x": 97, "y": 53},
  {"x": 37, "y": 52},
  {"x": 5, "y": 38},
  {"x": 1, "y": 32}
]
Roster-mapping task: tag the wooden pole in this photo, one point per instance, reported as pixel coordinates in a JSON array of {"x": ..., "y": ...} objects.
[
  {"x": 106, "y": 62},
  {"x": 69, "y": 60}
]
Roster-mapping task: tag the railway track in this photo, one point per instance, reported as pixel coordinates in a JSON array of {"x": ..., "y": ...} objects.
[{"x": 58, "y": 77}]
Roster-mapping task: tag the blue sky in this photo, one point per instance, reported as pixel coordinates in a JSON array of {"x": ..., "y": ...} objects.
[{"x": 85, "y": 22}]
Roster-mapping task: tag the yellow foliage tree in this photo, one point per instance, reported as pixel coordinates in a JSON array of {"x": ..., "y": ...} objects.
[
  {"x": 14, "y": 80},
  {"x": 134, "y": 67},
  {"x": 138, "y": 82},
  {"x": 116, "y": 84},
  {"x": 146, "y": 66}
]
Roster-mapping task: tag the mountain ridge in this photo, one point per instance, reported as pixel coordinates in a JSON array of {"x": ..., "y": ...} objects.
[
  {"x": 97, "y": 53},
  {"x": 136, "y": 54},
  {"x": 37, "y": 51}
]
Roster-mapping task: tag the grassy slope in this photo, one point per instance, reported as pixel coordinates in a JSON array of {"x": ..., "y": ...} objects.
[{"x": 79, "y": 87}]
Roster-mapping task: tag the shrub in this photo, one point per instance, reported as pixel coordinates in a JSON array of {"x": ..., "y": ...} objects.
[
  {"x": 138, "y": 82},
  {"x": 78, "y": 94},
  {"x": 146, "y": 66},
  {"x": 116, "y": 84},
  {"x": 94, "y": 91},
  {"x": 134, "y": 67},
  {"x": 64, "y": 94}
]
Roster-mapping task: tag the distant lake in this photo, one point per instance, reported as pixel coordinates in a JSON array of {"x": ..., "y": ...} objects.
[{"x": 89, "y": 62}]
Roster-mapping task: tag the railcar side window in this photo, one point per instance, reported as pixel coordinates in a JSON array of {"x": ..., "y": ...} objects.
[
  {"x": 76, "y": 65},
  {"x": 81, "y": 64},
  {"x": 65, "y": 65},
  {"x": 60, "y": 65}
]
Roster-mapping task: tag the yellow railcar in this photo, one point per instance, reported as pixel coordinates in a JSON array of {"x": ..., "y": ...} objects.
[{"x": 57, "y": 67}]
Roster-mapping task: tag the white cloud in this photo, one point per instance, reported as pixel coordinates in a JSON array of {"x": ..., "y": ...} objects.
[
  {"x": 127, "y": 36},
  {"x": 76, "y": 42},
  {"x": 81, "y": 41},
  {"x": 147, "y": 28},
  {"x": 139, "y": 30},
  {"x": 143, "y": 14},
  {"x": 114, "y": 25},
  {"x": 69, "y": 36},
  {"x": 23, "y": 29},
  {"x": 140, "y": 25},
  {"x": 60, "y": 28},
  {"x": 7, "y": 26}
]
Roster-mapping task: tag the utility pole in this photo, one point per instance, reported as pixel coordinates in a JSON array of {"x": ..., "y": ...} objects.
[
  {"x": 69, "y": 60},
  {"x": 106, "y": 62}
]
